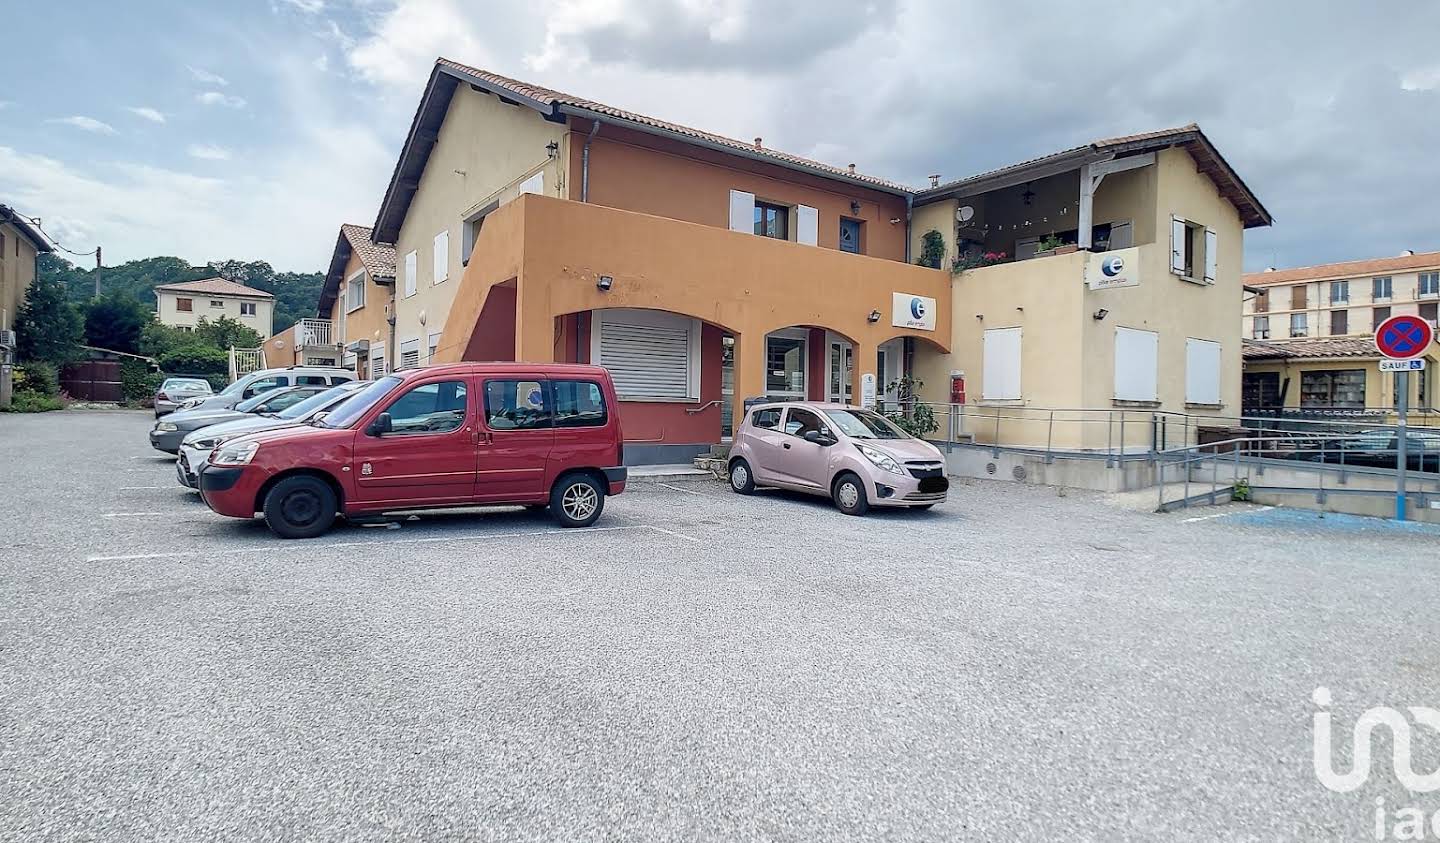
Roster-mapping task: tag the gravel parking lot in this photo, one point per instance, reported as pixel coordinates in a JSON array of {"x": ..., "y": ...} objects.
[{"x": 1016, "y": 664}]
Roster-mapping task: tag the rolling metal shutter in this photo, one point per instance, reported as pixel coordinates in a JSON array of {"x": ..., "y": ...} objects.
[{"x": 646, "y": 360}]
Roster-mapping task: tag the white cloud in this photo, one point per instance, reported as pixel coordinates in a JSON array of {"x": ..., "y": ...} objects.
[
  {"x": 88, "y": 124},
  {"x": 321, "y": 63},
  {"x": 4, "y": 104},
  {"x": 402, "y": 47},
  {"x": 200, "y": 74},
  {"x": 218, "y": 98},
  {"x": 309, "y": 7},
  {"x": 208, "y": 152},
  {"x": 146, "y": 112}
]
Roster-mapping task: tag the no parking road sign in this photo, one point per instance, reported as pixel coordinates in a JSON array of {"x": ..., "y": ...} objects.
[{"x": 1404, "y": 337}]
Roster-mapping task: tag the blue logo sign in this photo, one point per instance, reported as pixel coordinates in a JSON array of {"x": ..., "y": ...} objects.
[
  {"x": 917, "y": 308},
  {"x": 1113, "y": 266}
]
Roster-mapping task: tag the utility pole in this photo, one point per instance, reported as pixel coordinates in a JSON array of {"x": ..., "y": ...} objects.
[{"x": 97, "y": 272}]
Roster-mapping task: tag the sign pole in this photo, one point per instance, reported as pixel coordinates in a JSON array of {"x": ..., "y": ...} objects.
[{"x": 1402, "y": 385}]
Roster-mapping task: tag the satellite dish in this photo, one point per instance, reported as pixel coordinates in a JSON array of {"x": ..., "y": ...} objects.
[{"x": 965, "y": 213}]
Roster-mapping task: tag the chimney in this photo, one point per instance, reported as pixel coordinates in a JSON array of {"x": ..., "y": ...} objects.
[
  {"x": 1407, "y": 253},
  {"x": 934, "y": 179},
  {"x": 757, "y": 143},
  {"x": 850, "y": 168},
  {"x": 1269, "y": 269}
]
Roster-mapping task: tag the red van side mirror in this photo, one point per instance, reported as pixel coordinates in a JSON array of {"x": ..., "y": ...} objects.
[{"x": 380, "y": 426}]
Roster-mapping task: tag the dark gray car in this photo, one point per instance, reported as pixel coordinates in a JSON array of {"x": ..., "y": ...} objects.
[{"x": 170, "y": 431}]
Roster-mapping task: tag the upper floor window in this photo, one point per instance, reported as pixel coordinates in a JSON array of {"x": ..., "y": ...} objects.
[
  {"x": 1339, "y": 291},
  {"x": 1260, "y": 330},
  {"x": 1262, "y": 301},
  {"x": 355, "y": 292},
  {"x": 772, "y": 220},
  {"x": 1380, "y": 315},
  {"x": 1194, "y": 251},
  {"x": 441, "y": 256},
  {"x": 184, "y": 305},
  {"x": 247, "y": 308},
  {"x": 1381, "y": 288},
  {"x": 1299, "y": 327},
  {"x": 850, "y": 235},
  {"x": 1299, "y": 297},
  {"x": 409, "y": 270},
  {"x": 217, "y": 303},
  {"x": 1429, "y": 284},
  {"x": 1339, "y": 323}
]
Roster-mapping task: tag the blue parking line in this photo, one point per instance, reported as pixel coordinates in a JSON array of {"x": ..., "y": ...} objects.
[{"x": 1309, "y": 520}]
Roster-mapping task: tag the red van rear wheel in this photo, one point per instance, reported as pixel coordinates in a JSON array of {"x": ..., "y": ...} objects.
[
  {"x": 300, "y": 507},
  {"x": 577, "y": 500}
]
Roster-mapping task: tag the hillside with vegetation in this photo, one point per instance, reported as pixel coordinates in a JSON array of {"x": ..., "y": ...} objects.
[{"x": 296, "y": 293}]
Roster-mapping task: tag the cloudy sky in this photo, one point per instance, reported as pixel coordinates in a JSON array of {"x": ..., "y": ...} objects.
[{"x": 252, "y": 128}]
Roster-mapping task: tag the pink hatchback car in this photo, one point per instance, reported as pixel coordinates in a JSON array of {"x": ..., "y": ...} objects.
[{"x": 856, "y": 457}]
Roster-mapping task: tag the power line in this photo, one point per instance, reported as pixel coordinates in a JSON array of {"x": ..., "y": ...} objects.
[{"x": 35, "y": 221}]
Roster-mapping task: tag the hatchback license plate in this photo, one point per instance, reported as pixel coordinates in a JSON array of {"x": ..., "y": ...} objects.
[{"x": 931, "y": 485}]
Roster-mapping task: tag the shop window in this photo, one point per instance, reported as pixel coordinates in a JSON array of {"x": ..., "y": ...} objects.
[
  {"x": 651, "y": 355},
  {"x": 1342, "y": 390}
]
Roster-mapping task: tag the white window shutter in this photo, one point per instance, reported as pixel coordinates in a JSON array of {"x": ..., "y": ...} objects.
[
  {"x": 1177, "y": 245},
  {"x": 1212, "y": 256},
  {"x": 409, "y": 270},
  {"x": 1202, "y": 372},
  {"x": 742, "y": 211},
  {"x": 807, "y": 225},
  {"x": 1000, "y": 364},
  {"x": 1136, "y": 364},
  {"x": 534, "y": 184},
  {"x": 442, "y": 256}
]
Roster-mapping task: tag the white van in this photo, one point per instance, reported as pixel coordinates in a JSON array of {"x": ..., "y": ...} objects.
[{"x": 267, "y": 379}]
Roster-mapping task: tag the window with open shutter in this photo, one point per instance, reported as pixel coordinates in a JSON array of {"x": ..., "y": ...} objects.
[
  {"x": 650, "y": 355},
  {"x": 1137, "y": 356},
  {"x": 441, "y": 256},
  {"x": 742, "y": 211},
  {"x": 409, "y": 269},
  {"x": 1202, "y": 372},
  {"x": 1000, "y": 365}
]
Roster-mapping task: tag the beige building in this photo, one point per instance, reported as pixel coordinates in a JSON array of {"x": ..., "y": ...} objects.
[
  {"x": 530, "y": 224},
  {"x": 184, "y": 305},
  {"x": 351, "y": 326},
  {"x": 1309, "y": 333},
  {"x": 20, "y": 246},
  {"x": 1097, "y": 283}
]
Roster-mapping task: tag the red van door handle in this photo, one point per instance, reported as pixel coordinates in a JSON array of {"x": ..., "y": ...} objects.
[{"x": 483, "y": 437}]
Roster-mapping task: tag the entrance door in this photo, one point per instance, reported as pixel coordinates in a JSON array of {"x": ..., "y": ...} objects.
[
  {"x": 785, "y": 363},
  {"x": 841, "y": 386},
  {"x": 849, "y": 235}
]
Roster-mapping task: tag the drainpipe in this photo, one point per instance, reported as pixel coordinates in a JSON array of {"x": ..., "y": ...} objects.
[
  {"x": 585, "y": 161},
  {"x": 909, "y": 209}
]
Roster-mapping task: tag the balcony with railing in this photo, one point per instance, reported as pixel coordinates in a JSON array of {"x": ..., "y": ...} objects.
[{"x": 318, "y": 333}]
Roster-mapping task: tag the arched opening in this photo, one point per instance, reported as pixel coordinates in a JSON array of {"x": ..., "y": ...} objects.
[
  {"x": 809, "y": 363},
  {"x": 673, "y": 373}
]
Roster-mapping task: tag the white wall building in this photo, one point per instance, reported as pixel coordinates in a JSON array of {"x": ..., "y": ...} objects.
[{"x": 184, "y": 305}]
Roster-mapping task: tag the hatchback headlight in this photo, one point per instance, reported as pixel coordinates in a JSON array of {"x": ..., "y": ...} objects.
[
  {"x": 881, "y": 459},
  {"x": 166, "y": 427},
  {"x": 204, "y": 444},
  {"x": 240, "y": 453}
]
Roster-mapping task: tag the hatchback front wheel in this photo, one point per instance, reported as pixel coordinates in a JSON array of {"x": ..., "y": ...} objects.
[{"x": 849, "y": 495}]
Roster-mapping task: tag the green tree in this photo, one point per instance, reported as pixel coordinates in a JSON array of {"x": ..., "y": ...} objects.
[
  {"x": 225, "y": 332},
  {"x": 48, "y": 328},
  {"x": 116, "y": 321}
]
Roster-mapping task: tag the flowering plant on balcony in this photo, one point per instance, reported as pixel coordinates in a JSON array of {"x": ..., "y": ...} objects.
[{"x": 973, "y": 261}]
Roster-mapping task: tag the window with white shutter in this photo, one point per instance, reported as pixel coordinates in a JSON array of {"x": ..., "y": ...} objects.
[
  {"x": 410, "y": 354},
  {"x": 1137, "y": 361},
  {"x": 1202, "y": 372},
  {"x": 409, "y": 269},
  {"x": 807, "y": 225},
  {"x": 434, "y": 346},
  {"x": 534, "y": 184},
  {"x": 742, "y": 211},
  {"x": 1177, "y": 245},
  {"x": 1212, "y": 255},
  {"x": 377, "y": 364},
  {"x": 651, "y": 355},
  {"x": 441, "y": 256},
  {"x": 1000, "y": 365}
]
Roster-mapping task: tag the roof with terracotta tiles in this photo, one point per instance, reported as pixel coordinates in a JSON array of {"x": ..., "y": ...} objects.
[
  {"x": 377, "y": 260},
  {"x": 215, "y": 287},
  {"x": 1346, "y": 269},
  {"x": 1309, "y": 348}
]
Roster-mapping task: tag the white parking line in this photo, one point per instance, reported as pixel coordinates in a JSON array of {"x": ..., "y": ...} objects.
[
  {"x": 271, "y": 548},
  {"x": 130, "y": 514},
  {"x": 683, "y": 489},
  {"x": 139, "y": 488},
  {"x": 1224, "y": 514}
]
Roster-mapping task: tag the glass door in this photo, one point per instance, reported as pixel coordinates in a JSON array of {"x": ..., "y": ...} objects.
[
  {"x": 841, "y": 386},
  {"x": 785, "y": 356}
]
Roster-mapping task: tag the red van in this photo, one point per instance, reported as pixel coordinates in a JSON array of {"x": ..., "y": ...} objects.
[{"x": 454, "y": 435}]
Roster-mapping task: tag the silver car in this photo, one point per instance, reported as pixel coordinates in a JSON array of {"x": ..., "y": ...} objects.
[
  {"x": 169, "y": 432},
  {"x": 176, "y": 391},
  {"x": 248, "y": 386},
  {"x": 856, "y": 457},
  {"x": 195, "y": 448}
]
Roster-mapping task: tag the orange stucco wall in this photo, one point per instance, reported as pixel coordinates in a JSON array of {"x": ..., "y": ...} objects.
[
  {"x": 555, "y": 250},
  {"x": 368, "y": 322},
  {"x": 639, "y": 172}
]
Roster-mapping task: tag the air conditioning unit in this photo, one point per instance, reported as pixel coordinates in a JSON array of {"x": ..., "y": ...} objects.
[{"x": 7, "y": 339}]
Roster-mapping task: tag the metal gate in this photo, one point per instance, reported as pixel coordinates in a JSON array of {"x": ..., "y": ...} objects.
[{"x": 93, "y": 380}]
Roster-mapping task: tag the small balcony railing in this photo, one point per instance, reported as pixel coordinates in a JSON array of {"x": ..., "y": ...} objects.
[{"x": 316, "y": 332}]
